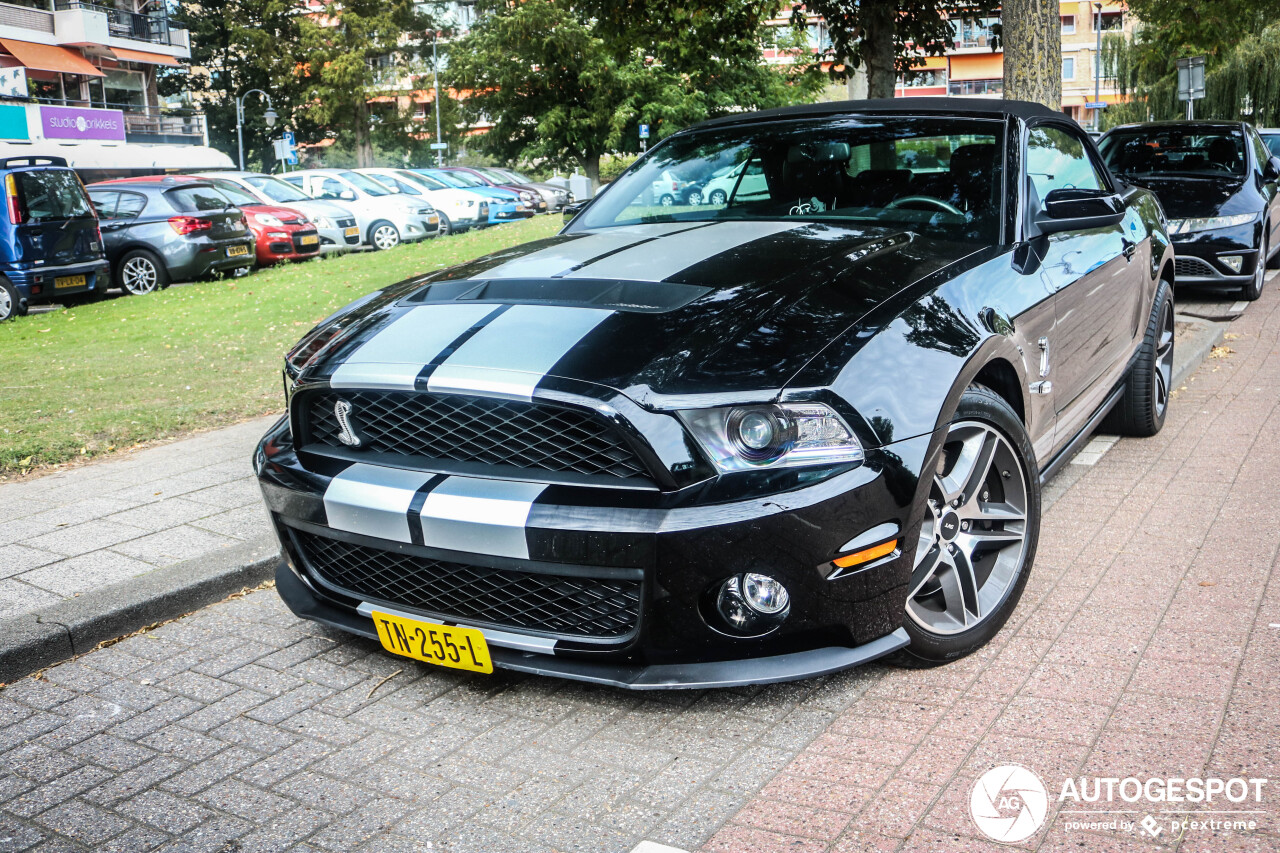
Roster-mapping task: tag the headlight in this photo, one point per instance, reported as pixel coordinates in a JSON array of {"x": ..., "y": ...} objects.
[
  {"x": 1208, "y": 223},
  {"x": 322, "y": 221},
  {"x": 740, "y": 438},
  {"x": 268, "y": 219},
  {"x": 527, "y": 196}
]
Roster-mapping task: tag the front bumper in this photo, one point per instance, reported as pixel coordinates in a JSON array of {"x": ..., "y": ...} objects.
[
  {"x": 335, "y": 239},
  {"x": 1199, "y": 258},
  {"x": 674, "y": 546},
  {"x": 279, "y": 244}
]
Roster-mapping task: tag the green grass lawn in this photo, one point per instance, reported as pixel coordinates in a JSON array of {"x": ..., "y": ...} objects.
[{"x": 102, "y": 377}]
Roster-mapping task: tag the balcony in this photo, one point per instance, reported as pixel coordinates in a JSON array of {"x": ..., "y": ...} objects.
[
  {"x": 26, "y": 18},
  {"x": 153, "y": 28}
]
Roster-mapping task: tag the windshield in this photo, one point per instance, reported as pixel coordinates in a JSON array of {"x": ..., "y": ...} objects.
[
  {"x": 233, "y": 191},
  {"x": 516, "y": 176},
  {"x": 276, "y": 189},
  {"x": 932, "y": 175},
  {"x": 1176, "y": 151},
  {"x": 365, "y": 184},
  {"x": 429, "y": 182},
  {"x": 1273, "y": 143},
  {"x": 462, "y": 179},
  {"x": 495, "y": 175},
  {"x": 396, "y": 184}
]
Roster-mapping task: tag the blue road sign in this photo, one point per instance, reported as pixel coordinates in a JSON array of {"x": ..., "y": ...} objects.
[
  {"x": 291, "y": 148},
  {"x": 644, "y": 131}
]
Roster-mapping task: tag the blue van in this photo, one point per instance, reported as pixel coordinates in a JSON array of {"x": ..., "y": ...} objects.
[{"x": 50, "y": 245}]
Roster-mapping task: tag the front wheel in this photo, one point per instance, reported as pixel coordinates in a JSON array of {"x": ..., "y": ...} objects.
[
  {"x": 446, "y": 227},
  {"x": 384, "y": 235},
  {"x": 667, "y": 200},
  {"x": 718, "y": 197},
  {"x": 978, "y": 538},
  {"x": 1252, "y": 291}
]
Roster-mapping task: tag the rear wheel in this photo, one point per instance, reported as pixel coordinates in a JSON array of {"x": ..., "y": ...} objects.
[
  {"x": 10, "y": 305},
  {"x": 383, "y": 235},
  {"x": 141, "y": 272},
  {"x": 978, "y": 538},
  {"x": 1141, "y": 410},
  {"x": 667, "y": 200},
  {"x": 1253, "y": 290}
]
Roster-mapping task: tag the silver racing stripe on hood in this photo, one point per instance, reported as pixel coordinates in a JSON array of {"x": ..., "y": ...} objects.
[
  {"x": 394, "y": 357},
  {"x": 563, "y": 257},
  {"x": 662, "y": 258},
  {"x": 510, "y": 355}
]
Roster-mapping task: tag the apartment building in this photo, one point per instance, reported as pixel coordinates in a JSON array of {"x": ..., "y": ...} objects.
[{"x": 78, "y": 80}]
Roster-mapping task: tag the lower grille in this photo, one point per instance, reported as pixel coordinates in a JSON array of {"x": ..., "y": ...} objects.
[
  {"x": 1192, "y": 267},
  {"x": 555, "y": 604}
]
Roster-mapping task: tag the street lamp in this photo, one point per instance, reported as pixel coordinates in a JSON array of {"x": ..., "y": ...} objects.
[
  {"x": 269, "y": 116},
  {"x": 435, "y": 84},
  {"x": 1097, "y": 73}
]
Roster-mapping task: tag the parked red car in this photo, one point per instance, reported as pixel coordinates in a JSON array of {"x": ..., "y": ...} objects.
[{"x": 280, "y": 233}]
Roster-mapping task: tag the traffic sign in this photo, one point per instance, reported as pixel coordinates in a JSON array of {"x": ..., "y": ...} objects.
[
  {"x": 1191, "y": 78},
  {"x": 1095, "y": 105},
  {"x": 290, "y": 148},
  {"x": 644, "y": 131},
  {"x": 439, "y": 146}
]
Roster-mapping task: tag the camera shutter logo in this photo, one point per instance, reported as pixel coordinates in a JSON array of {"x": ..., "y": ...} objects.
[
  {"x": 347, "y": 434},
  {"x": 1009, "y": 803}
]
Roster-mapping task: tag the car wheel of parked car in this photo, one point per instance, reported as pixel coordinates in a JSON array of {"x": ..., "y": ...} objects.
[
  {"x": 446, "y": 227},
  {"x": 10, "y": 306},
  {"x": 693, "y": 197},
  {"x": 384, "y": 235},
  {"x": 718, "y": 197},
  {"x": 978, "y": 537},
  {"x": 141, "y": 272},
  {"x": 667, "y": 200},
  {"x": 1141, "y": 410},
  {"x": 1252, "y": 291}
]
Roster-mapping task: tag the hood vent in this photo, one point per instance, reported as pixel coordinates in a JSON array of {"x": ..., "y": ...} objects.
[{"x": 643, "y": 297}]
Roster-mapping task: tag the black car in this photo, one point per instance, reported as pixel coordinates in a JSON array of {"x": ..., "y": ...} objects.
[
  {"x": 745, "y": 442},
  {"x": 1217, "y": 182},
  {"x": 161, "y": 230}
]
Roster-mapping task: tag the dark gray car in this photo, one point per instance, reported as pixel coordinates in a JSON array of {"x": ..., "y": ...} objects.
[{"x": 158, "y": 231}]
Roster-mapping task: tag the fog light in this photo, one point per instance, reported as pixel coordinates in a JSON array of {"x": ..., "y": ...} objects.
[
  {"x": 750, "y": 604},
  {"x": 1233, "y": 261}
]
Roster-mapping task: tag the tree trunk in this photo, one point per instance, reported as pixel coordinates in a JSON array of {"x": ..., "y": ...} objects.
[
  {"x": 1032, "y": 41},
  {"x": 856, "y": 81},
  {"x": 878, "y": 50},
  {"x": 364, "y": 145},
  {"x": 591, "y": 168}
]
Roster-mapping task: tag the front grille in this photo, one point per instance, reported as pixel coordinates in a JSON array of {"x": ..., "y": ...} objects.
[
  {"x": 475, "y": 429},
  {"x": 1191, "y": 267},
  {"x": 346, "y": 223},
  {"x": 556, "y": 604}
]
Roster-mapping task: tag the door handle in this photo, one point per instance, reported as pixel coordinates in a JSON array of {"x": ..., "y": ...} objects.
[{"x": 1129, "y": 248}]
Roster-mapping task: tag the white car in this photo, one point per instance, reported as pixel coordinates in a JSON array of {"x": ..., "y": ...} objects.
[
  {"x": 459, "y": 209},
  {"x": 724, "y": 184},
  {"x": 385, "y": 218},
  {"x": 671, "y": 189},
  {"x": 336, "y": 224}
]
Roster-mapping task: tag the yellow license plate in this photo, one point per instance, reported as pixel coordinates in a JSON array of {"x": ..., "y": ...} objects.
[
  {"x": 68, "y": 281},
  {"x": 433, "y": 219},
  {"x": 310, "y": 240},
  {"x": 443, "y": 645},
  {"x": 235, "y": 251},
  {"x": 353, "y": 231}
]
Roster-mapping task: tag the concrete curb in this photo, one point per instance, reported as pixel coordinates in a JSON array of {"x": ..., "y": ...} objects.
[
  {"x": 53, "y": 634},
  {"x": 1188, "y": 356},
  {"x": 35, "y": 640}
]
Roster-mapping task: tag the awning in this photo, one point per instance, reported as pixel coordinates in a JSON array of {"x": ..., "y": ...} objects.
[
  {"x": 50, "y": 57},
  {"x": 143, "y": 56},
  {"x": 977, "y": 66},
  {"x": 125, "y": 155},
  {"x": 931, "y": 63}
]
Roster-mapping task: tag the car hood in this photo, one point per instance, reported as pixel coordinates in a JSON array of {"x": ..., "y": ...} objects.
[
  {"x": 316, "y": 207},
  {"x": 1187, "y": 197},
  {"x": 654, "y": 311},
  {"x": 276, "y": 210}
]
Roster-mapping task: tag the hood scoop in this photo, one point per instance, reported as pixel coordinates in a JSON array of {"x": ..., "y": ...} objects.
[{"x": 642, "y": 297}]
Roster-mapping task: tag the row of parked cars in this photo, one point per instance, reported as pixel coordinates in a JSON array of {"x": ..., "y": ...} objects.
[{"x": 64, "y": 242}]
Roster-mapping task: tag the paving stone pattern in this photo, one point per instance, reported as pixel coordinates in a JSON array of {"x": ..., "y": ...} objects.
[{"x": 88, "y": 527}]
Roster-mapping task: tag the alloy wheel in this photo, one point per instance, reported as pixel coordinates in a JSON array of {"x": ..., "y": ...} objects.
[
  {"x": 386, "y": 237},
  {"x": 139, "y": 276},
  {"x": 1164, "y": 359},
  {"x": 6, "y": 304},
  {"x": 972, "y": 543}
]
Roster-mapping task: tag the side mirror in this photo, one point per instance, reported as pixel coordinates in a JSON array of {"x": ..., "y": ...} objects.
[
  {"x": 572, "y": 210},
  {"x": 1078, "y": 210},
  {"x": 347, "y": 195},
  {"x": 1271, "y": 169}
]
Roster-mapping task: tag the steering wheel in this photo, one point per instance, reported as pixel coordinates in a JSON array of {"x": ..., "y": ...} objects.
[
  {"x": 941, "y": 204},
  {"x": 1223, "y": 167}
]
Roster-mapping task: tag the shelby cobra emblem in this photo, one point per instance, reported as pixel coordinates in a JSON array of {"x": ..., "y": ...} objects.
[{"x": 347, "y": 434}]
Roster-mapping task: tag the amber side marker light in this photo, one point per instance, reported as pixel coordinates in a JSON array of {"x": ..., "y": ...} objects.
[{"x": 866, "y": 555}]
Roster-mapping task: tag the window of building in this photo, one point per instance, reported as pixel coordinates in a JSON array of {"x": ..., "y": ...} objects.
[
  {"x": 1068, "y": 25},
  {"x": 923, "y": 77},
  {"x": 1068, "y": 68},
  {"x": 1112, "y": 21},
  {"x": 124, "y": 89}
]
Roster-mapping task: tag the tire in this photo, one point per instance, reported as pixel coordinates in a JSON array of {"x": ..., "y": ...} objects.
[
  {"x": 978, "y": 538},
  {"x": 693, "y": 197},
  {"x": 11, "y": 307},
  {"x": 140, "y": 272},
  {"x": 1252, "y": 291},
  {"x": 383, "y": 235},
  {"x": 446, "y": 227},
  {"x": 718, "y": 197},
  {"x": 1142, "y": 409},
  {"x": 667, "y": 200}
]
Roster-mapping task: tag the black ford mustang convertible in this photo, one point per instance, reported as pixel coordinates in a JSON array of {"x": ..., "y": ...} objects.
[{"x": 771, "y": 436}]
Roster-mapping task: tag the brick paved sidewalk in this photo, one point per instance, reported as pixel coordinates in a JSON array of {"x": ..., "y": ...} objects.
[
  {"x": 85, "y": 528},
  {"x": 1143, "y": 645}
]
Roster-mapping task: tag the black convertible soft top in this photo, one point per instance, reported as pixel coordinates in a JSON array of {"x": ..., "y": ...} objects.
[{"x": 985, "y": 107}]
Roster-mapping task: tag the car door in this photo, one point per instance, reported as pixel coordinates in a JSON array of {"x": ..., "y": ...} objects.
[{"x": 1094, "y": 275}]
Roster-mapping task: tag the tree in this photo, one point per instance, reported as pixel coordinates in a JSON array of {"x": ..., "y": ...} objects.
[
  {"x": 1032, "y": 38},
  {"x": 242, "y": 45},
  {"x": 353, "y": 50},
  {"x": 889, "y": 37}
]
